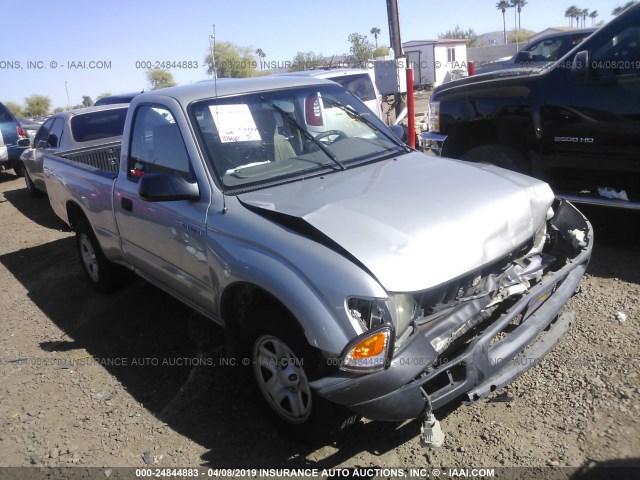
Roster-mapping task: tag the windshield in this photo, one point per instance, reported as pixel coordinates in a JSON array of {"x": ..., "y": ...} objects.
[{"x": 258, "y": 139}]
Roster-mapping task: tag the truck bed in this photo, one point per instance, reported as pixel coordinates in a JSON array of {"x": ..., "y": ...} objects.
[{"x": 104, "y": 157}]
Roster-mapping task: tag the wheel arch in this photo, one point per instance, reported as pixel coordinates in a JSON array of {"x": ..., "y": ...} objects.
[
  {"x": 75, "y": 213},
  {"x": 238, "y": 305}
]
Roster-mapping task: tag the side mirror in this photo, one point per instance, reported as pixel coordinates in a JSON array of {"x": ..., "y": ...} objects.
[
  {"x": 24, "y": 142},
  {"x": 165, "y": 187},
  {"x": 42, "y": 144},
  {"x": 399, "y": 132},
  {"x": 523, "y": 57},
  {"x": 580, "y": 64}
]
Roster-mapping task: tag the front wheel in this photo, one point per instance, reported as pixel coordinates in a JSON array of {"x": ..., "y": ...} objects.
[
  {"x": 284, "y": 365},
  {"x": 103, "y": 275},
  {"x": 281, "y": 379}
]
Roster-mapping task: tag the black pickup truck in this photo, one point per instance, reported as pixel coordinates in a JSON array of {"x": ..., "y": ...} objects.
[{"x": 574, "y": 123}]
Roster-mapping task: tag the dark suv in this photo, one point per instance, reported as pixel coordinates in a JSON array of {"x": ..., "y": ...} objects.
[
  {"x": 549, "y": 48},
  {"x": 574, "y": 124},
  {"x": 10, "y": 133}
]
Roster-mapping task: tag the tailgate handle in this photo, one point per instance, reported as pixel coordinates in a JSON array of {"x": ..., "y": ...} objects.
[{"x": 127, "y": 204}]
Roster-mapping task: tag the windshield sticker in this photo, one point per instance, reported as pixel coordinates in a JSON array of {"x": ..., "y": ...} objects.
[{"x": 235, "y": 123}]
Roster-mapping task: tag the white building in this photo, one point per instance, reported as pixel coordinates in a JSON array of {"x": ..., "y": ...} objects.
[{"x": 434, "y": 60}]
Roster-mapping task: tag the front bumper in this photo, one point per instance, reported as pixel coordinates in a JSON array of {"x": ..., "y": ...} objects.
[
  {"x": 430, "y": 142},
  {"x": 413, "y": 384}
]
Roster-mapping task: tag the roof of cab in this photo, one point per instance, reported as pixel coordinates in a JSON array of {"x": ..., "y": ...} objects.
[{"x": 223, "y": 87}]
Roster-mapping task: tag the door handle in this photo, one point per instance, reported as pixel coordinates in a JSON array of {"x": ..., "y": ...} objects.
[{"x": 127, "y": 204}]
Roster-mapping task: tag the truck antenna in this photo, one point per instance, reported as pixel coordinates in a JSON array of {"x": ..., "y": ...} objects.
[{"x": 212, "y": 42}]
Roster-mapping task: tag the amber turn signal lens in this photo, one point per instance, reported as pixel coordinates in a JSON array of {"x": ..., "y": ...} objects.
[{"x": 370, "y": 347}]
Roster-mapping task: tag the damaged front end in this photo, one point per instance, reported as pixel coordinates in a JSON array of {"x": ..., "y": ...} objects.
[{"x": 467, "y": 337}]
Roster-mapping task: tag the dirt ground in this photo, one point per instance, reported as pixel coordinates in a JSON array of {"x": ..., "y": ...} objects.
[{"x": 108, "y": 381}]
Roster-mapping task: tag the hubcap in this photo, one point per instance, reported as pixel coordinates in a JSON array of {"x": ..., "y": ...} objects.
[
  {"x": 89, "y": 257},
  {"x": 281, "y": 379}
]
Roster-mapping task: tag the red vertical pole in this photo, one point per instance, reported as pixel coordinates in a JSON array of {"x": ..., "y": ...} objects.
[
  {"x": 472, "y": 69},
  {"x": 411, "y": 120}
]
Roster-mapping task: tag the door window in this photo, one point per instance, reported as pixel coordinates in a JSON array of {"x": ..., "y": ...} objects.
[
  {"x": 42, "y": 137},
  {"x": 620, "y": 55},
  {"x": 157, "y": 144},
  {"x": 546, "y": 50},
  {"x": 55, "y": 135}
]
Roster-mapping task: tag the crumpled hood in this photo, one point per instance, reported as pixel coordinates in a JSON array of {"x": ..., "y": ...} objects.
[{"x": 416, "y": 221}]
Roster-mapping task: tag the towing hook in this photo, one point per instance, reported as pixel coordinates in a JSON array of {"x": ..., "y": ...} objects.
[{"x": 431, "y": 434}]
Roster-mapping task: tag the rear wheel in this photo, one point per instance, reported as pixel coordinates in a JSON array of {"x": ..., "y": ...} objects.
[
  {"x": 284, "y": 364},
  {"x": 18, "y": 168},
  {"x": 103, "y": 275},
  {"x": 31, "y": 188},
  {"x": 498, "y": 155}
]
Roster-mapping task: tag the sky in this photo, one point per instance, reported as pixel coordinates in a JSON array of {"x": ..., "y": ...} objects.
[{"x": 88, "y": 47}]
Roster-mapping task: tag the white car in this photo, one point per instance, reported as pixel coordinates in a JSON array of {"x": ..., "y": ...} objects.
[{"x": 359, "y": 81}]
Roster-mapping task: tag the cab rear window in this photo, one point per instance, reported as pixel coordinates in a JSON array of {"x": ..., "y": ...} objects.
[
  {"x": 98, "y": 125},
  {"x": 360, "y": 85}
]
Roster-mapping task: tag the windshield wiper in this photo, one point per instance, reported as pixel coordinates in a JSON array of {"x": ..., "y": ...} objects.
[
  {"x": 294, "y": 122},
  {"x": 361, "y": 116}
]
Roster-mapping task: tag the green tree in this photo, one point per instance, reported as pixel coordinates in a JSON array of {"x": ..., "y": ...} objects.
[
  {"x": 502, "y": 6},
  {"x": 86, "y": 101},
  {"x": 375, "y": 31},
  {"x": 520, "y": 36},
  {"x": 361, "y": 49},
  {"x": 306, "y": 61},
  {"x": 102, "y": 95},
  {"x": 37, "y": 105},
  {"x": 159, "y": 78},
  {"x": 15, "y": 108},
  {"x": 381, "y": 51},
  {"x": 457, "y": 33},
  {"x": 58, "y": 110},
  {"x": 232, "y": 61},
  {"x": 593, "y": 15},
  {"x": 618, "y": 10}
]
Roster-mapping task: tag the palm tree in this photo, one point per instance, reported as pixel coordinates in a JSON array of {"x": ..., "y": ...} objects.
[
  {"x": 584, "y": 13},
  {"x": 503, "y": 5},
  {"x": 572, "y": 12},
  {"x": 593, "y": 15},
  {"x": 375, "y": 31},
  {"x": 260, "y": 53},
  {"x": 618, "y": 10},
  {"x": 519, "y": 5}
]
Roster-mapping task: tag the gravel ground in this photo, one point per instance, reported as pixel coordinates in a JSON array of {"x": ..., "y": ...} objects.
[{"x": 79, "y": 384}]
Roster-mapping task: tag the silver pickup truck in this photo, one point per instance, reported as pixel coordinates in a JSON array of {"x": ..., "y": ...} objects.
[
  {"x": 72, "y": 134},
  {"x": 357, "y": 277}
]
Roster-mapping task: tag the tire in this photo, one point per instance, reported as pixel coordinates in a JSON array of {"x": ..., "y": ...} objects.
[
  {"x": 31, "y": 188},
  {"x": 498, "y": 155},
  {"x": 283, "y": 365},
  {"x": 18, "y": 168},
  {"x": 103, "y": 275}
]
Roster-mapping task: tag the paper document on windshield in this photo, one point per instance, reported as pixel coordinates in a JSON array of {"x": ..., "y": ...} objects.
[{"x": 235, "y": 123}]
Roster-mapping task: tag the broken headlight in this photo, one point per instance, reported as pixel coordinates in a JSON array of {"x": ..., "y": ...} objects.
[
  {"x": 403, "y": 309},
  {"x": 399, "y": 310}
]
